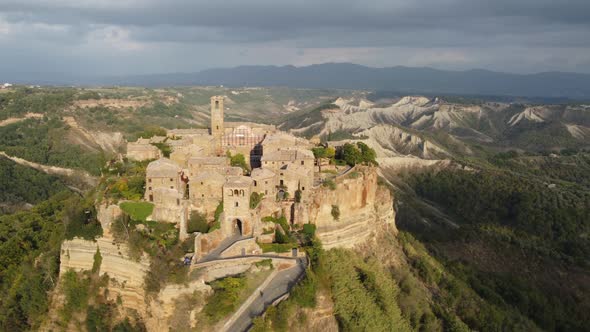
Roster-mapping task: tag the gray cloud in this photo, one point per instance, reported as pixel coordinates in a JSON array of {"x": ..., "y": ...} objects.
[{"x": 181, "y": 35}]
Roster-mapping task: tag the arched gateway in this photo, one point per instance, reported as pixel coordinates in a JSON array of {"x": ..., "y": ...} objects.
[{"x": 237, "y": 227}]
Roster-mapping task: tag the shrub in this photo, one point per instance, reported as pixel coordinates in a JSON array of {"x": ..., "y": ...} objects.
[
  {"x": 217, "y": 222},
  {"x": 309, "y": 230},
  {"x": 280, "y": 237},
  {"x": 335, "y": 212},
  {"x": 99, "y": 317},
  {"x": 255, "y": 199},
  {"x": 97, "y": 261},
  {"x": 264, "y": 262},
  {"x": 304, "y": 293},
  {"x": 79, "y": 216},
  {"x": 238, "y": 160},
  {"x": 276, "y": 247},
  {"x": 298, "y": 196},
  {"x": 329, "y": 184},
  {"x": 197, "y": 223},
  {"x": 164, "y": 148},
  {"x": 225, "y": 297},
  {"x": 76, "y": 292}
]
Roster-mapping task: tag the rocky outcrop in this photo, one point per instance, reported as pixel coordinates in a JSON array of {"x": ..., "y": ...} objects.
[
  {"x": 348, "y": 215},
  {"x": 110, "y": 142},
  {"x": 319, "y": 319},
  {"x": 126, "y": 275}
]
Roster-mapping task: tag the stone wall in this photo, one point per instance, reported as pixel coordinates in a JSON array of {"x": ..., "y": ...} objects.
[{"x": 247, "y": 246}]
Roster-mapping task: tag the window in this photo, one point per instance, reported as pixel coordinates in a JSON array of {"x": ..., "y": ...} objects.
[
  {"x": 171, "y": 187},
  {"x": 237, "y": 204},
  {"x": 255, "y": 183},
  {"x": 231, "y": 193},
  {"x": 302, "y": 188},
  {"x": 171, "y": 179},
  {"x": 266, "y": 192},
  {"x": 265, "y": 182},
  {"x": 282, "y": 183},
  {"x": 150, "y": 180},
  {"x": 236, "y": 192},
  {"x": 150, "y": 188},
  {"x": 201, "y": 183},
  {"x": 242, "y": 192},
  {"x": 303, "y": 162},
  {"x": 217, "y": 106},
  {"x": 177, "y": 201},
  {"x": 202, "y": 195}
]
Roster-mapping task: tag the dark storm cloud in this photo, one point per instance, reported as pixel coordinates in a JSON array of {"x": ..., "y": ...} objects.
[{"x": 468, "y": 27}]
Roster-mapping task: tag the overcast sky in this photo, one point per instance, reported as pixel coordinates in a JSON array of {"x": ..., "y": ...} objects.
[{"x": 105, "y": 37}]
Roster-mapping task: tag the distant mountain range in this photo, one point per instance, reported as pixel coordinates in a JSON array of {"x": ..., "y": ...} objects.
[{"x": 351, "y": 76}]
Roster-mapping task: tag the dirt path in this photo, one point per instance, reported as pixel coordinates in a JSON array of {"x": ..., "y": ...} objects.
[
  {"x": 54, "y": 170},
  {"x": 9, "y": 121}
]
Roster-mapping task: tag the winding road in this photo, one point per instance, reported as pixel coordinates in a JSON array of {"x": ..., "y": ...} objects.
[{"x": 266, "y": 295}]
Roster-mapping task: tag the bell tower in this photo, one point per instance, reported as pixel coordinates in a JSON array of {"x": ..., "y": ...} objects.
[{"x": 217, "y": 130}]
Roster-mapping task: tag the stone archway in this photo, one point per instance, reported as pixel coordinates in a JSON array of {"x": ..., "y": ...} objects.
[{"x": 238, "y": 227}]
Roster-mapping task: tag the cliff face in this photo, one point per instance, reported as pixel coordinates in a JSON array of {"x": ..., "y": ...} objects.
[
  {"x": 362, "y": 204},
  {"x": 126, "y": 279},
  {"x": 127, "y": 276}
]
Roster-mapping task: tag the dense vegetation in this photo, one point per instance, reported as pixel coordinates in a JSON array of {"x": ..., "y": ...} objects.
[
  {"x": 29, "y": 257},
  {"x": 359, "y": 153},
  {"x": 24, "y": 100},
  {"x": 526, "y": 220},
  {"x": 22, "y": 184},
  {"x": 45, "y": 142}
]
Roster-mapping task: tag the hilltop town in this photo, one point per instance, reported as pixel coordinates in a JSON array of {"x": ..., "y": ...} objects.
[
  {"x": 278, "y": 170},
  {"x": 261, "y": 194}
]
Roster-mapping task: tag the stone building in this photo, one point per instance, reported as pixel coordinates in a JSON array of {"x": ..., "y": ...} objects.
[
  {"x": 200, "y": 164},
  {"x": 237, "y": 219},
  {"x": 292, "y": 178},
  {"x": 182, "y": 154},
  {"x": 162, "y": 173},
  {"x": 288, "y": 156},
  {"x": 198, "y": 175},
  {"x": 264, "y": 181},
  {"x": 206, "y": 191},
  {"x": 279, "y": 140},
  {"x": 142, "y": 150}
]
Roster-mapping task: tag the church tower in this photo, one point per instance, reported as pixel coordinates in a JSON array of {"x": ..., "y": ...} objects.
[{"x": 217, "y": 130}]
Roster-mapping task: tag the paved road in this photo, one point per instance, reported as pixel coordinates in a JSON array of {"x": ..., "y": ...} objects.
[
  {"x": 280, "y": 285},
  {"x": 213, "y": 255}
]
